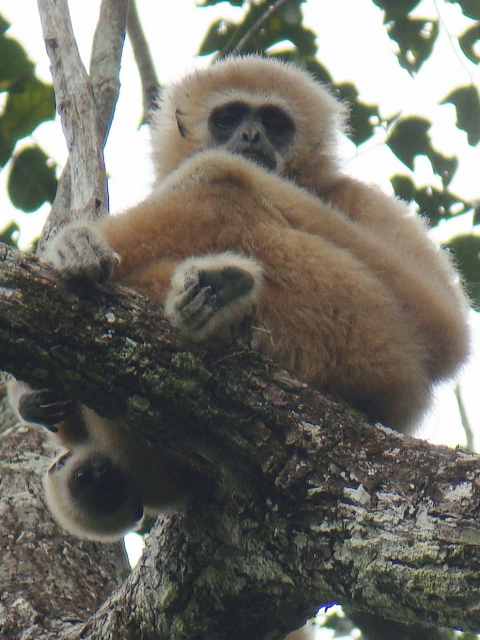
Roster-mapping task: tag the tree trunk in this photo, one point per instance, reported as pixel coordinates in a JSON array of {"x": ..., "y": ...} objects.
[{"x": 302, "y": 502}]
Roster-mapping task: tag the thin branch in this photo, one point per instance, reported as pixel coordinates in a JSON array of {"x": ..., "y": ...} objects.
[
  {"x": 85, "y": 105},
  {"x": 467, "y": 427},
  {"x": 240, "y": 46},
  {"x": 105, "y": 60},
  {"x": 76, "y": 106},
  {"x": 143, "y": 58}
]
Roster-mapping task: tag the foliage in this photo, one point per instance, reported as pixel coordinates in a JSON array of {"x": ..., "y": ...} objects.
[
  {"x": 28, "y": 103},
  {"x": 9, "y": 234}
]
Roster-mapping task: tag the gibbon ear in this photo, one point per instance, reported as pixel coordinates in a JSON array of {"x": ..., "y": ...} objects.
[{"x": 180, "y": 125}]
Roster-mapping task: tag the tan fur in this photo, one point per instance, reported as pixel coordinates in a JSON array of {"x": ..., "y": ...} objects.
[{"x": 354, "y": 297}]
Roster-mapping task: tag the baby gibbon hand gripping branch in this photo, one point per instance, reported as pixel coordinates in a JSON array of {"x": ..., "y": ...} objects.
[{"x": 250, "y": 214}]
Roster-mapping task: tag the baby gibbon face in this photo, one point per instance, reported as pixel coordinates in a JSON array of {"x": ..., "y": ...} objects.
[
  {"x": 268, "y": 111},
  {"x": 91, "y": 496}
]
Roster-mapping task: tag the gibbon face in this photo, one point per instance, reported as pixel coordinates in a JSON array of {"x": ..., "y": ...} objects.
[
  {"x": 265, "y": 110},
  {"x": 92, "y": 496},
  {"x": 261, "y": 133}
]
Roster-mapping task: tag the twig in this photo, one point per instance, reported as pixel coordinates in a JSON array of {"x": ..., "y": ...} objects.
[
  {"x": 143, "y": 58},
  {"x": 255, "y": 28},
  {"x": 464, "y": 418}
]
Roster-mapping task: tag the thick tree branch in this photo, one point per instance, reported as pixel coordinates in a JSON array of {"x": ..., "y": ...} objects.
[{"x": 308, "y": 502}]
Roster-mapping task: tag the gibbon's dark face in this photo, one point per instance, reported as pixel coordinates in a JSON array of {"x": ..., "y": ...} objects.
[
  {"x": 258, "y": 133},
  {"x": 100, "y": 487}
]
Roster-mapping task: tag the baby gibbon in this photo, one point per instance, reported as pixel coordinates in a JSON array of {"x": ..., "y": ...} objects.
[{"x": 251, "y": 214}]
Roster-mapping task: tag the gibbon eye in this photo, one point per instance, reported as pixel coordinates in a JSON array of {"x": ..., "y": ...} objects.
[
  {"x": 278, "y": 125},
  {"x": 227, "y": 117}
]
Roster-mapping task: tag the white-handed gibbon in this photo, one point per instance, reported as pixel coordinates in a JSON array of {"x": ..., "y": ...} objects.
[{"x": 250, "y": 214}]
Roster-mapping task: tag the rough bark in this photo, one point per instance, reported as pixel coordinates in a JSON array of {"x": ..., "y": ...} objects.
[{"x": 304, "y": 502}]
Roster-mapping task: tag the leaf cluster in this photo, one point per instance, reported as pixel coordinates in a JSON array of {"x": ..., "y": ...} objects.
[{"x": 27, "y": 103}]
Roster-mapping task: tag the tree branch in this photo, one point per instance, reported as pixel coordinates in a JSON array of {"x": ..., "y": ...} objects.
[
  {"x": 86, "y": 106},
  {"x": 236, "y": 48},
  {"x": 143, "y": 58},
  {"x": 307, "y": 503}
]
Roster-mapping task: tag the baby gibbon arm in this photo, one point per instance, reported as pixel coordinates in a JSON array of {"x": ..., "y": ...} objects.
[
  {"x": 45, "y": 408},
  {"x": 99, "y": 487}
]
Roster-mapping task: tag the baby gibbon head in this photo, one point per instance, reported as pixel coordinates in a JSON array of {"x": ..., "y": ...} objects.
[
  {"x": 91, "y": 496},
  {"x": 268, "y": 111}
]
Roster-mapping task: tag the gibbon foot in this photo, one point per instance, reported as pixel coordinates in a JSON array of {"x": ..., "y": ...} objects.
[
  {"x": 44, "y": 407},
  {"x": 209, "y": 294}
]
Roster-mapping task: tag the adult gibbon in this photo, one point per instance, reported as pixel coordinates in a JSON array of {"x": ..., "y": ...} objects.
[{"x": 250, "y": 214}]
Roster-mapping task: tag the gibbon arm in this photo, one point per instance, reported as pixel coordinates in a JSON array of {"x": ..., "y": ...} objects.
[
  {"x": 325, "y": 287},
  {"x": 216, "y": 202}
]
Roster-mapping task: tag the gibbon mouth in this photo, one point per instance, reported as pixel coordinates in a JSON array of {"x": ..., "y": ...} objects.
[{"x": 259, "y": 158}]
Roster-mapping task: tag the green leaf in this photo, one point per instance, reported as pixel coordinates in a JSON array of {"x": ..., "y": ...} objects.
[
  {"x": 476, "y": 215},
  {"x": 9, "y": 234},
  {"x": 363, "y": 117},
  {"x": 470, "y": 8},
  {"x": 466, "y": 252},
  {"x": 319, "y": 71},
  {"x": 395, "y": 9},
  {"x": 31, "y": 181},
  {"x": 467, "y": 105},
  {"x": 211, "y": 3},
  {"x": 416, "y": 38},
  {"x": 24, "y": 111},
  {"x": 4, "y": 25},
  {"x": 285, "y": 24},
  {"x": 218, "y": 36},
  {"x": 467, "y": 42},
  {"x": 6, "y": 148},
  {"x": 433, "y": 203},
  {"x": 409, "y": 138},
  {"x": 404, "y": 187},
  {"x": 14, "y": 64}
]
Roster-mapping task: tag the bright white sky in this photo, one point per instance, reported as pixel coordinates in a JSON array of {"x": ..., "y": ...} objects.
[{"x": 357, "y": 50}]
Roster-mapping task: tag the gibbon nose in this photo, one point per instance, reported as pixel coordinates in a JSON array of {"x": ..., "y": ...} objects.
[{"x": 250, "y": 135}]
